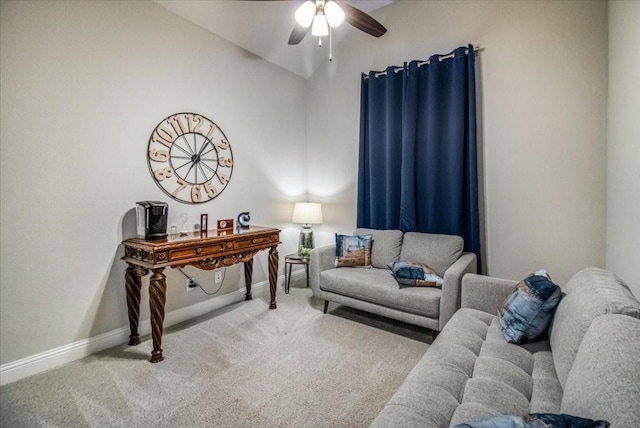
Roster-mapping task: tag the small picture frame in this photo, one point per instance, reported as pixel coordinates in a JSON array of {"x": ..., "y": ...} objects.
[
  {"x": 225, "y": 224},
  {"x": 204, "y": 222},
  {"x": 204, "y": 225}
]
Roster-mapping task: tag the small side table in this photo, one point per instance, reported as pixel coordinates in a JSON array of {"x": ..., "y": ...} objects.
[{"x": 289, "y": 261}]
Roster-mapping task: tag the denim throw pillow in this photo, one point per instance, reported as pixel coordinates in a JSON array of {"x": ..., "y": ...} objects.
[
  {"x": 353, "y": 251},
  {"x": 536, "y": 420},
  {"x": 411, "y": 274},
  {"x": 528, "y": 310}
]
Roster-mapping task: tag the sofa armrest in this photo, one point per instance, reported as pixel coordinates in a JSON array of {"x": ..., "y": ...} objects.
[
  {"x": 450, "y": 299},
  {"x": 485, "y": 293},
  {"x": 322, "y": 258}
]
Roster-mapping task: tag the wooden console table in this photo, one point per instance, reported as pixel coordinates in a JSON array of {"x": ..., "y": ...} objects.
[{"x": 212, "y": 251}]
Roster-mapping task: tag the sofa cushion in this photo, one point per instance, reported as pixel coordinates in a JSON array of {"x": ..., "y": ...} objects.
[
  {"x": 528, "y": 310},
  {"x": 589, "y": 293},
  {"x": 604, "y": 381},
  {"x": 353, "y": 251},
  {"x": 437, "y": 251},
  {"x": 386, "y": 246},
  {"x": 378, "y": 286}
]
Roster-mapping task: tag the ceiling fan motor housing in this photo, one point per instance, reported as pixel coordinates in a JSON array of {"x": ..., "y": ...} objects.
[{"x": 323, "y": 14}]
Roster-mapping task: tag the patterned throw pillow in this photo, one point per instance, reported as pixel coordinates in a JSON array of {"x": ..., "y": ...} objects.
[
  {"x": 528, "y": 310},
  {"x": 353, "y": 251},
  {"x": 536, "y": 420},
  {"x": 411, "y": 274}
]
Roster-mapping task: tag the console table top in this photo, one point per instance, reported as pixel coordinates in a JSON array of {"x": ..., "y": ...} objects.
[
  {"x": 181, "y": 250},
  {"x": 196, "y": 236}
]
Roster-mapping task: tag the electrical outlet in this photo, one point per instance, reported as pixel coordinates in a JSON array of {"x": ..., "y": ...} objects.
[
  {"x": 218, "y": 276},
  {"x": 190, "y": 284}
]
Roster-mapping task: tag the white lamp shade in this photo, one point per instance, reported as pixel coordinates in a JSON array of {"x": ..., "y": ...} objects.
[
  {"x": 305, "y": 13},
  {"x": 307, "y": 213},
  {"x": 320, "y": 27},
  {"x": 334, "y": 13}
]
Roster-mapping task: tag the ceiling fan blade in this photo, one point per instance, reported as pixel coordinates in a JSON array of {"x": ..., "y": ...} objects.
[
  {"x": 362, "y": 21},
  {"x": 298, "y": 33}
]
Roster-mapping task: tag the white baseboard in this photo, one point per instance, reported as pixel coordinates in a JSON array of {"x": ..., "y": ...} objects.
[{"x": 16, "y": 370}]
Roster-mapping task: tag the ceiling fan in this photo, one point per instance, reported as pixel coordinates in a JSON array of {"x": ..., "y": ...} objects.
[{"x": 319, "y": 15}]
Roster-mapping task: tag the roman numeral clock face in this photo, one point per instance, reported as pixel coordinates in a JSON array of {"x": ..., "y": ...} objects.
[{"x": 190, "y": 158}]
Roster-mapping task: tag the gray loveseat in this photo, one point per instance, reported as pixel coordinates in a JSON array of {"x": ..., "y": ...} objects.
[
  {"x": 375, "y": 290},
  {"x": 589, "y": 366}
]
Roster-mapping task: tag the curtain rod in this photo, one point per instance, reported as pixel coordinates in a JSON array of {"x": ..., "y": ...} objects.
[{"x": 420, "y": 64}]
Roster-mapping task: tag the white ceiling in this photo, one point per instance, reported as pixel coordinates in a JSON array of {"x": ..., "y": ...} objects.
[{"x": 263, "y": 28}]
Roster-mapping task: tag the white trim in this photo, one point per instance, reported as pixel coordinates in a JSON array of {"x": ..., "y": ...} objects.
[{"x": 16, "y": 370}]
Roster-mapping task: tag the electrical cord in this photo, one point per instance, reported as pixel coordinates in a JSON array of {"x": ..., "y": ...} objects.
[{"x": 224, "y": 273}]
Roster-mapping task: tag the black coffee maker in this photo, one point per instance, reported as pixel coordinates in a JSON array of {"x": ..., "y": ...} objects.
[{"x": 152, "y": 219}]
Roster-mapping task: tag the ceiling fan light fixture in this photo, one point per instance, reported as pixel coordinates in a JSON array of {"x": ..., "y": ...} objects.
[
  {"x": 320, "y": 27},
  {"x": 305, "y": 13},
  {"x": 334, "y": 13}
]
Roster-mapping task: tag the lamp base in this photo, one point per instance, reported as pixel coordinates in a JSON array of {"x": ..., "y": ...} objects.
[{"x": 306, "y": 237}]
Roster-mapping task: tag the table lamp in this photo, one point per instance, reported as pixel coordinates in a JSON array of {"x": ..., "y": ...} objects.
[{"x": 306, "y": 213}]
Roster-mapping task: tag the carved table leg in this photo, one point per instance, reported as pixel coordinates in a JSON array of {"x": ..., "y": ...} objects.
[
  {"x": 248, "y": 275},
  {"x": 157, "y": 299},
  {"x": 273, "y": 275},
  {"x": 132, "y": 279}
]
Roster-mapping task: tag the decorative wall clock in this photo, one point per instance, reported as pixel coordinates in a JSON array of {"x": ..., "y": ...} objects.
[{"x": 190, "y": 158}]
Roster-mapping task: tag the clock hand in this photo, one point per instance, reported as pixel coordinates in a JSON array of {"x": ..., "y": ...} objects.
[
  {"x": 207, "y": 142},
  {"x": 208, "y": 151}
]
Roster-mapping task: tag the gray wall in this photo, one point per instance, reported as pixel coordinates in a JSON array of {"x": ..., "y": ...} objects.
[
  {"x": 542, "y": 114},
  {"x": 623, "y": 162},
  {"x": 83, "y": 84}
]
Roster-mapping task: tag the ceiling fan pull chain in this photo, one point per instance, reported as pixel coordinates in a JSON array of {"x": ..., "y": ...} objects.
[{"x": 330, "y": 45}]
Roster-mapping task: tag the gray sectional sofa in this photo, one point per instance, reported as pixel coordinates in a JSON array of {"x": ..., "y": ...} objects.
[
  {"x": 375, "y": 290},
  {"x": 588, "y": 366}
]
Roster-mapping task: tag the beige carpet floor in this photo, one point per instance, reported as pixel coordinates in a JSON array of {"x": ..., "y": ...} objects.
[{"x": 241, "y": 366}]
